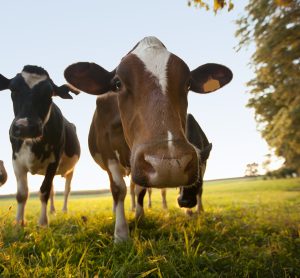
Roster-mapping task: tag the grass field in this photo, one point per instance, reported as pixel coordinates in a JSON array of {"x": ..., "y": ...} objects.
[{"x": 251, "y": 228}]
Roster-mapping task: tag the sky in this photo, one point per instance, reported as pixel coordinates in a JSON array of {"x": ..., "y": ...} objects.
[{"x": 54, "y": 34}]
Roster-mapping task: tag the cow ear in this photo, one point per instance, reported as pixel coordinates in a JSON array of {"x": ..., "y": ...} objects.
[
  {"x": 89, "y": 78},
  {"x": 4, "y": 82},
  {"x": 63, "y": 91},
  {"x": 209, "y": 77}
]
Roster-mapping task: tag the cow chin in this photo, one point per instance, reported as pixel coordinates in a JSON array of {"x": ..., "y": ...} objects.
[{"x": 163, "y": 179}]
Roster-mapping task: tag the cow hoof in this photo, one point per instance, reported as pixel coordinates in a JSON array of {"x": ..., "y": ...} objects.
[
  {"x": 43, "y": 222},
  {"x": 20, "y": 223},
  {"x": 121, "y": 238},
  {"x": 52, "y": 211},
  {"x": 139, "y": 215}
]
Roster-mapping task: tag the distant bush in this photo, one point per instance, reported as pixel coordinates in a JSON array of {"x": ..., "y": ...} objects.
[{"x": 283, "y": 172}]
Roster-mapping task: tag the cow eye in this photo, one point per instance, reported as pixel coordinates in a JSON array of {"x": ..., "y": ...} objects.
[{"x": 117, "y": 85}]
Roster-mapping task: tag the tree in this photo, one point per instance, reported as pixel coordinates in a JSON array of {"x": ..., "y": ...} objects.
[
  {"x": 251, "y": 169},
  {"x": 217, "y": 4},
  {"x": 221, "y": 4},
  {"x": 275, "y": 90}
]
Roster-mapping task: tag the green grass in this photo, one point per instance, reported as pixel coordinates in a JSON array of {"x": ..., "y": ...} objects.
[{"x": 251, "y": 228}]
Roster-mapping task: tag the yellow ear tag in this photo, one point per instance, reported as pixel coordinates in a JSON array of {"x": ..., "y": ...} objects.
[{"x": 211, "y": 85}]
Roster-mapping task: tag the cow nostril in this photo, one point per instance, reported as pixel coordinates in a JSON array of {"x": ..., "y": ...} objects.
[
  {"x": 16, "y": 130},
  {"x": 187, "y": 202},
  {"x": 147, "y": 166}
]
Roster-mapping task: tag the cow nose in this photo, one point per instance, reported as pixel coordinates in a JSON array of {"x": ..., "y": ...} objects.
[
  {"x": 156, "y": 167},
  {"x": 167, "y": 166},
  {"x": 188, "y": 197},
  {"x": 187, "y": 203},
  {"x": 21, "y": 128}
]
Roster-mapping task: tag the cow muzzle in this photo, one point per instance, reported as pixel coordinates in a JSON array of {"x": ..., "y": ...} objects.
[
  {"x": 165, "y": 165},
  {"x": 24, "y": 129}
]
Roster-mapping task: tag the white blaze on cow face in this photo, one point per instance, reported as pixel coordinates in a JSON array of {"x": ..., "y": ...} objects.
[
  {"x": 155, "y": 56},
  {"x": 170, "y": 142},
  {"x": 33, "y": 79}
]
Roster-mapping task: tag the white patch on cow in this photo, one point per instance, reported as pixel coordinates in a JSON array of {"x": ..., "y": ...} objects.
[
  {"x": 155, "y": 56},
  {"x": 116, "y": 171},
  {"x": 117, "y": 155},
  {"x": 67, "y": 191},
  {"x": 121, "y": 227},
  {"x": 33, "y": 79},
  {"x": 43, "y": 217},
  {"x": 26, "y": 159},
  {"x": 22, "y": 190},
  {"x": 22, "y": 122},
  {"x": 170, "y": 143}
]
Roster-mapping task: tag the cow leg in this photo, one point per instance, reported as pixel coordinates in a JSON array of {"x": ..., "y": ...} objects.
[
  {"x": 118, "y": 189},
  {"x": 132, "y": 195},
  {"x": 52, "y": 207},
  {"x": 22, "y": 192},
  {"x": 45, "y": 192},
  {"x": 149, "y": 197},
  {"x": 140, "y": 194},
  {"x": 164, "y": 199},
  {"x": 69, "y": 177}
]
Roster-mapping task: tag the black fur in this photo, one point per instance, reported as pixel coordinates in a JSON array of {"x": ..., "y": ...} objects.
[{"x": 196, "y": 136}]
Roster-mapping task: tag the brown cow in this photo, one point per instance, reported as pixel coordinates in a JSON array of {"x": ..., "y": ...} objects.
[
  {"x": 152, "y": 86},
  {"x": 107, "y": 145},
  {"x": 3, "y": 174}
]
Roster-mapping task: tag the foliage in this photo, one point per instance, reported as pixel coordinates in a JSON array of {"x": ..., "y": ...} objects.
[
  {"x": 250, "y": 229},
  {"x": 221, "y": 4},
  {"x": 283, "y": 172},
  {"x": 251, "y": 169},
  {"x": 274, "y": 91},
  {"x": 217, "y": 4}
]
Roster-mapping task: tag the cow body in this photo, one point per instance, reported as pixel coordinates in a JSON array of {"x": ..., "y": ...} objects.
[
  {"x": 152, "y": 86},
  {"x": 3, "y": 174},
  {"x": 43, "y": 141},
  {"x": 192, "y": 196}
]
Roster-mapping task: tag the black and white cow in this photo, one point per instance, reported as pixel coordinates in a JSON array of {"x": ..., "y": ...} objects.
[
  {"x": 191, "y": 196},
  {"x": 43, "y": 141},
  {"x": 3, "y": 174}
]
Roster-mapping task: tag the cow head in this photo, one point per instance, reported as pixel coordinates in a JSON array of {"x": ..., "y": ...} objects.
[
  {"x": 3, "y": 174},
  {"x": 31, "y": 93},
  {"x": 152, "y": 86}
]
